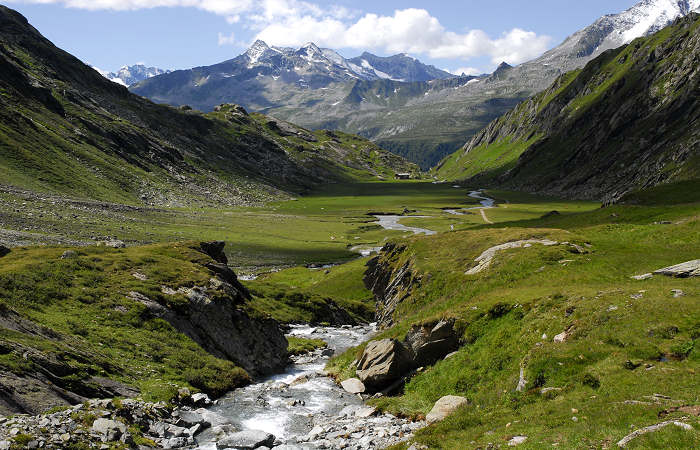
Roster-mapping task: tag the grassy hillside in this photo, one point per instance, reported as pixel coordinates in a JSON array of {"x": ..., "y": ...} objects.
[
  {"x": 631, "y": 355},
  {"x": 65, "y": 129},
  {"x": 627, "y": 121}
]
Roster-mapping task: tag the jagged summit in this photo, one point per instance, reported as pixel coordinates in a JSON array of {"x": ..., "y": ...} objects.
[{"x": 130, "y": 75}]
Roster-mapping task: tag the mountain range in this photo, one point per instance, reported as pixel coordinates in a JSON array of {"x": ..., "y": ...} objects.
[
  {"x": 66, "y": 129},
  {"x": 405, "y": 106},
  {"x": 129, "y": 75}
]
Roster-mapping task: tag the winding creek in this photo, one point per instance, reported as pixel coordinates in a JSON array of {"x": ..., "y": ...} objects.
[{"x": 305, "y": 409}]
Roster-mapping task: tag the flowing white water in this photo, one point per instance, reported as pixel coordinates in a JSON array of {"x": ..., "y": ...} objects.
[{"x": 285, "y": 404}]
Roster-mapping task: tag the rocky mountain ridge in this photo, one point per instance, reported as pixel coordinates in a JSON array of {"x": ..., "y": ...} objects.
[
  {"x": 423, "y": 122},
  {"x": 129, "y": 75}
]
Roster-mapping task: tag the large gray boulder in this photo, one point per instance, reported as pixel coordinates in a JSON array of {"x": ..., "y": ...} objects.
[
  {"x": 444, "y": 407},
  {"x": 383, "y": 362},
  {"x": 683, "y": 270},
  {"x": 430, "y": 343},
  {"x": 249, "y": 439},
  {"x": 353, "y": 386},
  {"x": 108, "y": 430}
]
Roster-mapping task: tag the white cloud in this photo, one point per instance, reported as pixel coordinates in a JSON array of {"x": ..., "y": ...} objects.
[
  {"x": 296, "y": 22},
  {"x": 409, "y": 30},
  {"x": 229, "y": 39}
]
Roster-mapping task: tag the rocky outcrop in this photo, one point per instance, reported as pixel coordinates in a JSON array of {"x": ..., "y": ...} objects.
[
  {"x": 386, "y": 363},
  {"x": 390, "y": 282},
  {"x": 683, "y": 270},
  {"x": 48, "y": 380},
  {"x": 486, "y": 258},
  {"x": 213, "y": 318}
]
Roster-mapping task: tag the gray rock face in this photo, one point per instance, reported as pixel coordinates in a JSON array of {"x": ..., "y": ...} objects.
[
  {"x": 444, "y": 407},
  {"x": 430, "y": 344},
  {"x": 383, "y": 362},
  {"x": 213, "y": 320},
  {"x": 683, "y": 270},
  {"x": 389, "y": 285},
  {"x": 249, "y": 439}
]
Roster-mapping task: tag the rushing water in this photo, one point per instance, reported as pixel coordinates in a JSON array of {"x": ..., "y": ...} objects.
[{"x": 286, "y": 404}]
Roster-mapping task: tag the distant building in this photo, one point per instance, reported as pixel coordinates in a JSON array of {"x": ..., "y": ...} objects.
[{"x": 403, "y": 176}]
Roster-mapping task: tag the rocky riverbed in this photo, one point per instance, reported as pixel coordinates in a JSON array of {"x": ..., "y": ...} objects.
[
  {"x": 299, "y": 409},
  {"x": 303, "y": 408}
]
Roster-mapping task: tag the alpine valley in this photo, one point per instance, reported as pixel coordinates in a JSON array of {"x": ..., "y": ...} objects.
[{"x": 211, "y": 259}]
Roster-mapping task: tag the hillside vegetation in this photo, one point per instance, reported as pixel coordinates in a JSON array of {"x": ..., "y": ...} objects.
[
  {"x": 65, "y": 129},
  {"x": 627, "y": 121},
  {"x": 601, "y": 354}
]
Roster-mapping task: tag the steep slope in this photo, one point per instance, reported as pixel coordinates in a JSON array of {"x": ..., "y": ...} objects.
[
  {"x": 424, "y": 123},
  {"x": 66, "y": 129},
  {"x": 628, "y": 120}
]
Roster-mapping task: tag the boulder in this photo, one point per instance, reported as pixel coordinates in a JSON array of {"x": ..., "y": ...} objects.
[
  {"x": 190, "y": 419},
  {"x": 517, "y": 440},
  {"x": 200, "y": 399},
  {"x": 108, "y": 430},
  {"x": 683, "y": 270},
  {"x": 444, "y": 407},
  {"x": 113, "y": 244},
  {"x": 4, "y": 251},
  {"x": 430, "y": 344},
  {"x": 249, "y": 439},
  {"x": 383, "y": 362},
  {"x": 353, "y": 386}
]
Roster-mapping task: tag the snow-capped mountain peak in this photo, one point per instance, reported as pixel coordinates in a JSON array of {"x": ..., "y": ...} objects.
[
  {"x": 130, "y": 75},
  {"x": 310, "y": 59}
]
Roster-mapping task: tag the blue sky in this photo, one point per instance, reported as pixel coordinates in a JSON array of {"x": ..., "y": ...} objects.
[{"x": 454, "y": 35}]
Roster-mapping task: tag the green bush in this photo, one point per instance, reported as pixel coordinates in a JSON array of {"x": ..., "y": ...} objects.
[
  {"x": 216, "y": 379},
  {"x": 681, "y": 350}
]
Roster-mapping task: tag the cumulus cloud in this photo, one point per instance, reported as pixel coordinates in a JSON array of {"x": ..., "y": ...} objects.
[
  {"x": 229, "y": 39},
  {"x": 296, "y": 22},
  {"x": 409, "y": 30}
]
